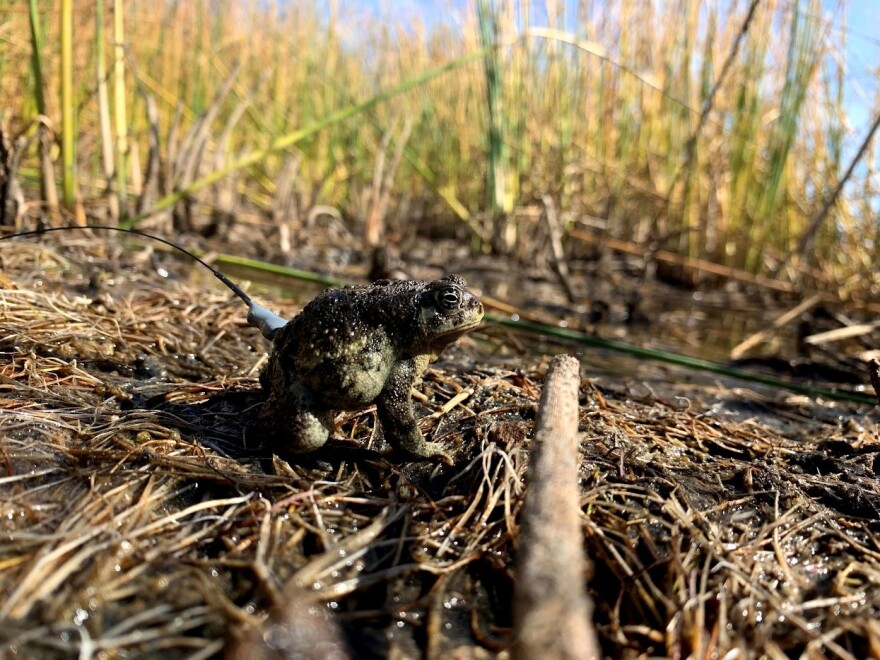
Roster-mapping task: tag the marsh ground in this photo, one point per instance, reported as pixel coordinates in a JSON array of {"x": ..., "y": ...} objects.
[{"x": 140, "y": 518}]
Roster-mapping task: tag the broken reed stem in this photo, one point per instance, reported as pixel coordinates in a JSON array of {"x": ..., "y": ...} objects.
[
  {"x": 555, "y": 230},
  {"x": 809, "y": 236},
  {"x": 874, "y": 372},
  {"x": 552, "y": 612},
  {"x": 784, "y": 319}
]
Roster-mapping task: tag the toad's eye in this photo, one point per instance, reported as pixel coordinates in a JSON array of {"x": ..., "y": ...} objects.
[{"x": 448, "y": 298}]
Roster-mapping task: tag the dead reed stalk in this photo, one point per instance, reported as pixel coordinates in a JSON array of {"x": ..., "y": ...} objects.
[{"x": 553, "y": 612}]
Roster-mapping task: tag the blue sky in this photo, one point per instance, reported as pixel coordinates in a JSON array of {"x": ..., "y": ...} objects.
[{"x": 862, "y": 56}]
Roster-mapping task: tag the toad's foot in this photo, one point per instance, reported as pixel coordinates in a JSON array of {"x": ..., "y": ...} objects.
[
  {"x": 399, "y": 422},
  {"x": 425, "y": 450}
]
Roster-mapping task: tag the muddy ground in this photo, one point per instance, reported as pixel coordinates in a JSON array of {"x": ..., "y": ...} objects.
[{"x": 140, "y": 517}]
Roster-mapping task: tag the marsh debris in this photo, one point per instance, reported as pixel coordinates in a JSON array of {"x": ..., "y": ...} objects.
[
  {"x": 553, "y": 615},
  {"x": 140, "y": 517}
]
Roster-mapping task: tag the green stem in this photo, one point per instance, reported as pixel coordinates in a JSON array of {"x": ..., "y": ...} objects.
[
  {"x": 681, "y": 360},
  {"x": 582, "y": 338},
  {"x": 68, "y": 131},
  {"x": 36, "y": 55}
]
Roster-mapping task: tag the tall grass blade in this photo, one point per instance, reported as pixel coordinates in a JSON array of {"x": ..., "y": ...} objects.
[
  {"x": 47, "y": 171},
  {"x": 119, "y": 104},
  {"x": 500, "y": 203},
  {"x": 104, "y": 112},
  {"x": 68, "y": 109},
  {"x": 37, "y": 44}
]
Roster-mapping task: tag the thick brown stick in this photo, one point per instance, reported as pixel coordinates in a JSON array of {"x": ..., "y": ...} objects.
[{"x": 553, "y": 614}]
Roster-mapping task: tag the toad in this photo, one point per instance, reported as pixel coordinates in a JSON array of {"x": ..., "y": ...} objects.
[
  {"x": 359, "y": 345},
  {"x": 348, "y": 348}
]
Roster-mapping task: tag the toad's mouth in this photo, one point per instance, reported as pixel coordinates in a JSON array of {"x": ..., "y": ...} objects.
[{"x": 456, "y": 331}]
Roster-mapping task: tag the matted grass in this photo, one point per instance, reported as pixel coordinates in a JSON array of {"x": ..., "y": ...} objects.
[{"x": 140, "y": 517}]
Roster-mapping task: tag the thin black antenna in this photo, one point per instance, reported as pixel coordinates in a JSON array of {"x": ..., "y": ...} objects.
[
  {"x": 220, "y": 276},
  {"x": 267, "y": 321}
]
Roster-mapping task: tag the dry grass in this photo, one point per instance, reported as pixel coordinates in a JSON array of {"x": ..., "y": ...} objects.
[
  {"x": 716, "y": 535},
  {"x": 716, "y": 134},
  {"x": 138, "y": 517}
]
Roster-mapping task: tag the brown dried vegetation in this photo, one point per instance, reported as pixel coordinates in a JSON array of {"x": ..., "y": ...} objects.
[{"x": 139, "y": 517}]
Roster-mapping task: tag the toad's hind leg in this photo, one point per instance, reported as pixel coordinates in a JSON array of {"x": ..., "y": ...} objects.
[{"x": 293, "y": 425}]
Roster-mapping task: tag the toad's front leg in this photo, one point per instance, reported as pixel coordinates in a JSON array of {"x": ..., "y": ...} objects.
[{"x": 398, "y": 420}]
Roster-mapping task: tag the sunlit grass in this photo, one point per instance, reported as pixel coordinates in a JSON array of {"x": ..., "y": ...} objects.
[{"x": 597, "y": 105}]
